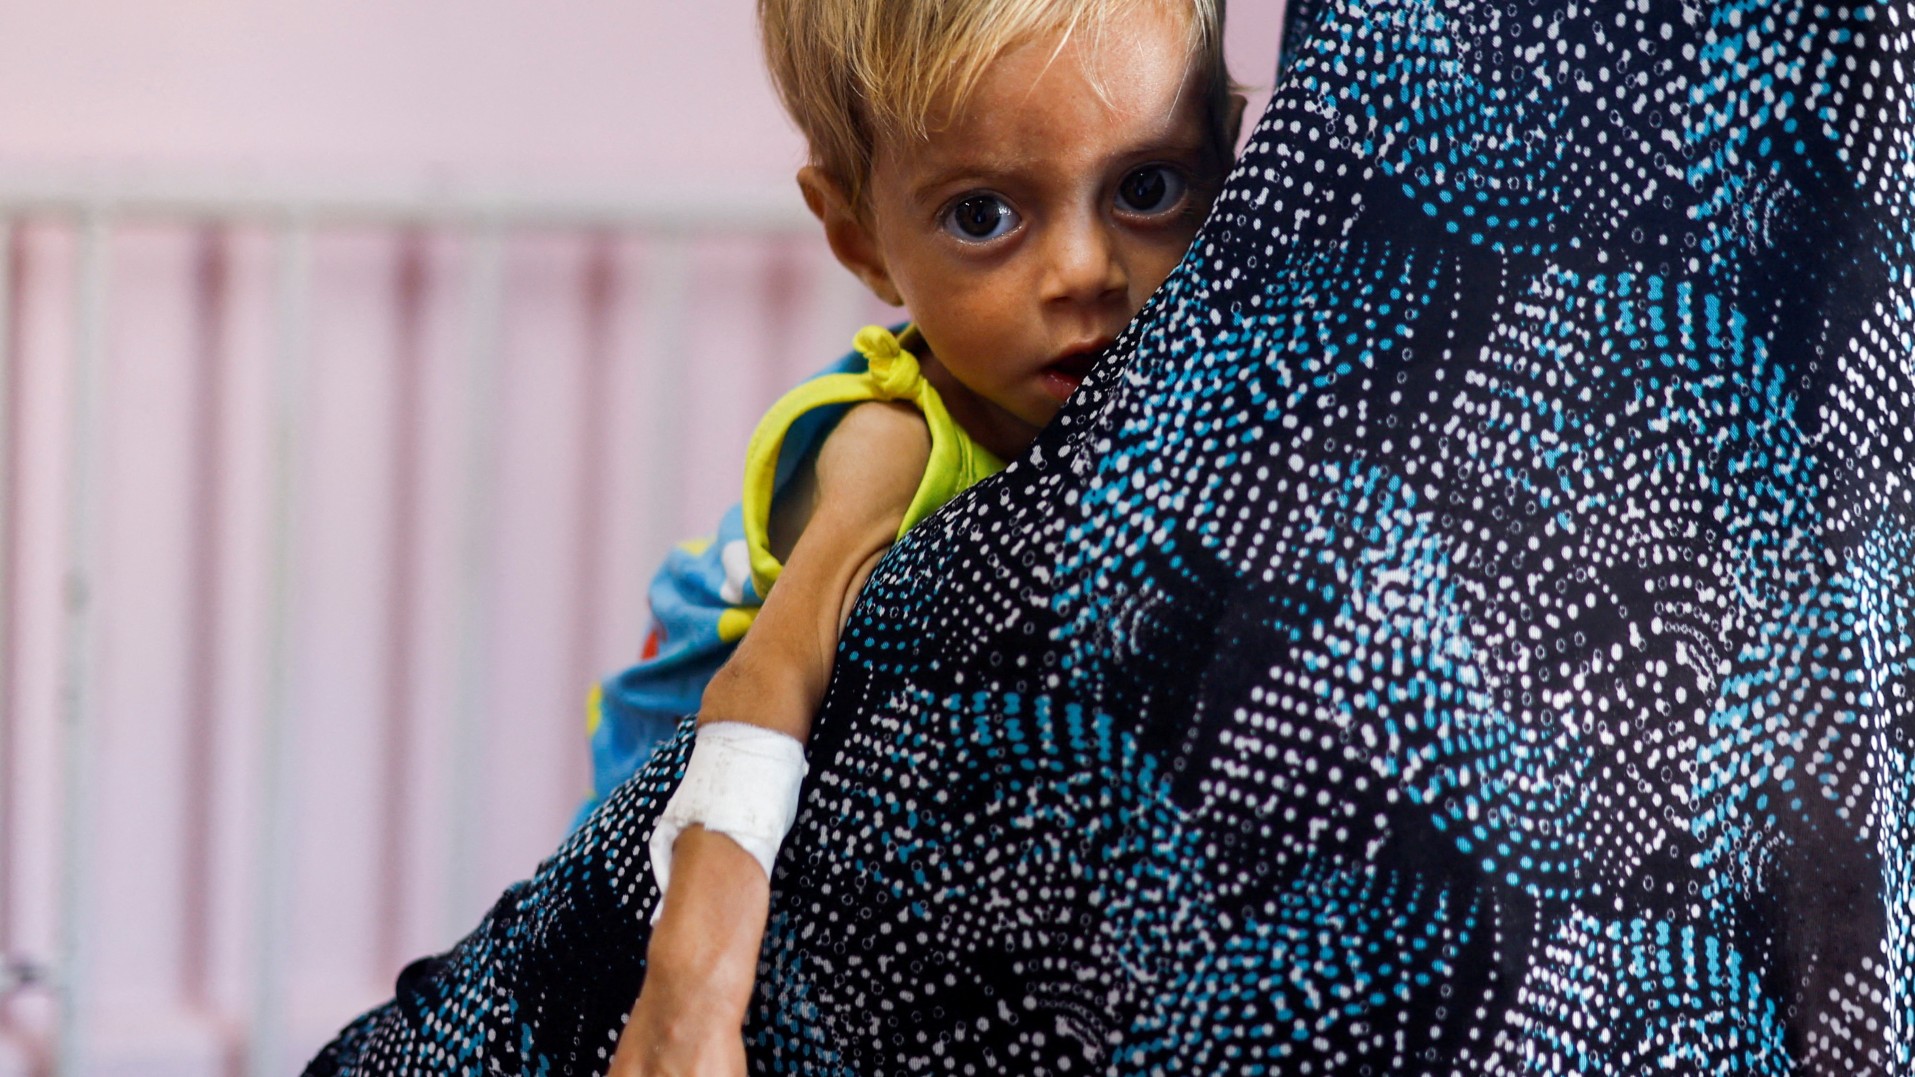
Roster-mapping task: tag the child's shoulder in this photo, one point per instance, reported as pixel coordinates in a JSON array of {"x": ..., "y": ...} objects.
[
  {"x": 879, "y": 448},
  {"x": 878, "y": 422}
]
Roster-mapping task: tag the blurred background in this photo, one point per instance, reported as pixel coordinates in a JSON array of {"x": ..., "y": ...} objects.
[{"x": 358, "y": 361}]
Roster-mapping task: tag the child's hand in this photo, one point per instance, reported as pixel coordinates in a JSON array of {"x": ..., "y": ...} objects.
[{"x": 690, "y": 1015}]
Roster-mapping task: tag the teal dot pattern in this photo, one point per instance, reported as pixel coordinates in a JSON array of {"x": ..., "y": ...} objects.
[{"x": 1465, "y": 626}]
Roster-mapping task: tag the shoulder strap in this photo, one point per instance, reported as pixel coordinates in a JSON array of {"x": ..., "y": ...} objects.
[{"x": 891, "y": 373}]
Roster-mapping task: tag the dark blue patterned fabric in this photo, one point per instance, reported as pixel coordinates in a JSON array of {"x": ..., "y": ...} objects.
[{"x": 1467, "y": 627}]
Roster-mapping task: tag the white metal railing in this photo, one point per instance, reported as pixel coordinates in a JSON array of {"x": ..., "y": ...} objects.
[
  {"x": 488, "y": 224},
  {"x": 684, "y": 210}
]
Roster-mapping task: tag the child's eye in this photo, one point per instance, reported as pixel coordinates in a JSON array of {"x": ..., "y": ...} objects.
[
  {"x": 1151, "y": 189},
  {"x": 979, "y": 218}
]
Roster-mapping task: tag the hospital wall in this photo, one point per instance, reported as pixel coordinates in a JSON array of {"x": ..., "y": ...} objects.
[{"x": 357, "y": 362}]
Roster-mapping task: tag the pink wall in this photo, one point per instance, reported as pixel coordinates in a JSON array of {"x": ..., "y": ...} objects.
[
  {"x": 478, "y": 95},
  {"x": 609, "y": 95},
  {"x": 416, "y": 92}
]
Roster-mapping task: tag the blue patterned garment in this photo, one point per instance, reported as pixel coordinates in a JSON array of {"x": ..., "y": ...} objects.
[{"x": 1467, "y": 626}]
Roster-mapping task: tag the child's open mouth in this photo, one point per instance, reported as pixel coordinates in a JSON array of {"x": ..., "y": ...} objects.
[{"x": 1062, "y": 377}]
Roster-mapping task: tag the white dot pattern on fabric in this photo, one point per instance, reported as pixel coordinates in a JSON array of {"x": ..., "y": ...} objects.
[{"x": 1468, "y": 627}]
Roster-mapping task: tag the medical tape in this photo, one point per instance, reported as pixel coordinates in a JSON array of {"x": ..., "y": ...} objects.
[{"x": 742, "y": 781}]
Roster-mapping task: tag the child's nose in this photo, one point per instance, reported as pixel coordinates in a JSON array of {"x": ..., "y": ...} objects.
[{"x": 1084, "y": 265}]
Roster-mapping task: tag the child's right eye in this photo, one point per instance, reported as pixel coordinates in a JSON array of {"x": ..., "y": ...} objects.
[{"x": 979, "y": 218}]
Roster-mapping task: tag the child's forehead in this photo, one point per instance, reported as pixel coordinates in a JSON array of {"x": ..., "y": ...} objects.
[
  {"x": 1057, "y": 95},
  {"x": 1090, "y": 39}
]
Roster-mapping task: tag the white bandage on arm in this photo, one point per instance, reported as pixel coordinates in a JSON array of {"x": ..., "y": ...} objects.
[{"x": 741, "y": 781}]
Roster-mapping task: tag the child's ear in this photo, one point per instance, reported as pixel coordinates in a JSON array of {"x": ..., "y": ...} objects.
[
  {"x": 1233, "y": 122},
  {"x": 848, "y": 233}
]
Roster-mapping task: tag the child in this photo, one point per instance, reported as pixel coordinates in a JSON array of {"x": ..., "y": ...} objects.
[{"x": 1020, "y": 175}]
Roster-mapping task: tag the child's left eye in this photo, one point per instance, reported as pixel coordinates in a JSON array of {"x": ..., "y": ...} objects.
[{"x": 1151, "y": 189}]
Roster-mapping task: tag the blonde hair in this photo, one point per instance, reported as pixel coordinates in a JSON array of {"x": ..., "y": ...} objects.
[{"x": 852, "y": 72}]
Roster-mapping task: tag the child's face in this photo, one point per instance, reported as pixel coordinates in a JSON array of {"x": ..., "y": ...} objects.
[{"x": 1023, "y": 234}]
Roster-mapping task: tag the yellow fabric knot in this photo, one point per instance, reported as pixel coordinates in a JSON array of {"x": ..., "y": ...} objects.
[{"x": 893, "y": 371}]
